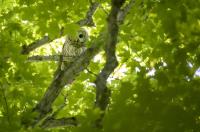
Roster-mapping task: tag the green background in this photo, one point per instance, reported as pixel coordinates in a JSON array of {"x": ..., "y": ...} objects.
[{"x": 155, "y": 88}]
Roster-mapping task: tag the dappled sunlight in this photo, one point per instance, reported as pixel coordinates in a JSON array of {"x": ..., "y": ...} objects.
[
  {"x": 154, "y": 88},
  {"x": 197, "y": 73},
  {"x": 54, "y": 47}
]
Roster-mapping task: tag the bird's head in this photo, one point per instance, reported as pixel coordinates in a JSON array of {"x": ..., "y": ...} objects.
[{"x": 82, "y": 36}]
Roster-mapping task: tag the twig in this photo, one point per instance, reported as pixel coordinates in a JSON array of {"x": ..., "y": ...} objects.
[
  {"x": 6, "y": 109},
  {"x": 91, "y": 72},
  {"x": 62, "y": 31},
  {"x": 44, "y": 58},
  {"x": 50, "y": 58},
  {"x": 60, "y": 107},
  {"x": 104, "y": 10}
]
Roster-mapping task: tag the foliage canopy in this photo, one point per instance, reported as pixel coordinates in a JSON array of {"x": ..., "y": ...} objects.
[{"x": 155, "y": 88}]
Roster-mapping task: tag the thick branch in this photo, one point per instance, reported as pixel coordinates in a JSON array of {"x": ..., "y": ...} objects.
[
  {"x": 102, "y": 92},
  {"x": 111, "y": 60},
  {"x": 116, "y": 17},
  {"x": 87, "y": 21}
]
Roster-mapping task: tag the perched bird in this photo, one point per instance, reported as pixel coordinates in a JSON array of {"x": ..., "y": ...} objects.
[{"x": 73, "y": 47}]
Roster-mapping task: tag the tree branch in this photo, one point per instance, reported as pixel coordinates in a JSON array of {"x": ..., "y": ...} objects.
[
  {"x": 51, "y": 121},
  {"x": 102, "y": 92},
  {"x": 50, "y": 58},
  {"x": 87, "y": 21},
  {"x": 27, "y": 49},
  {"x": 111, "y": 60},
  {"x": 44, "y": 58},
  {"x": 124, "y": 11},
  {"x": 63, "y": 122},
  {"x": 63, "y": 78}
]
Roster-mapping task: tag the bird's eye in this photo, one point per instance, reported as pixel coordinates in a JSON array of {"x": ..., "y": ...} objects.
[{"x": 80, "y": 35}]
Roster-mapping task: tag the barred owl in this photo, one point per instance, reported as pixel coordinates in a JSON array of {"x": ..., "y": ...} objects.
[{"x": 74, "y": 46}]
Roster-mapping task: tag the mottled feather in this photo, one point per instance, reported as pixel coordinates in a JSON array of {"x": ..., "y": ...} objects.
[{"x": 74, "y": 47}]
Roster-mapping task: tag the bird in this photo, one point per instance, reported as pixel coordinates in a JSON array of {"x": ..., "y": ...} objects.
[{"x": 73, "y": 47}]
